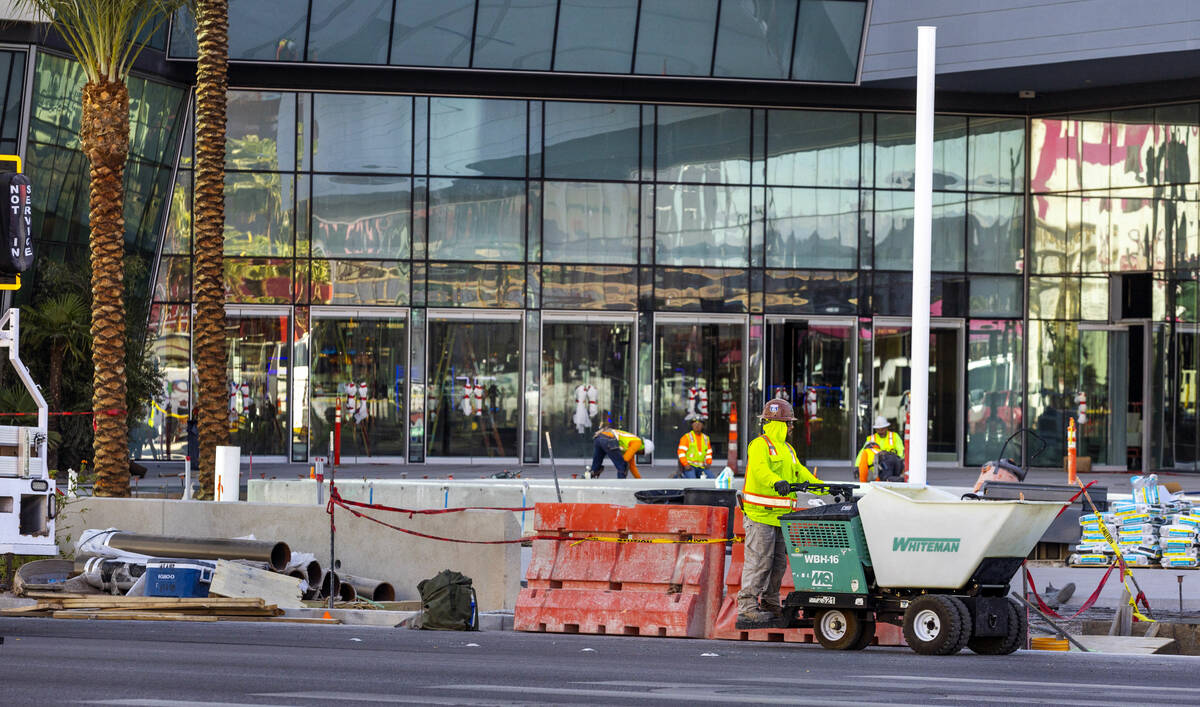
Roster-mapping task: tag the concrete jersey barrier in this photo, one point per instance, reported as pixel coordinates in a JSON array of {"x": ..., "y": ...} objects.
[{"x": 363, "y": 547}]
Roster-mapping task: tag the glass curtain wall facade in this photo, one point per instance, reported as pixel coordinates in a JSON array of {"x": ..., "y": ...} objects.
[{"x": 649, "y": 218}]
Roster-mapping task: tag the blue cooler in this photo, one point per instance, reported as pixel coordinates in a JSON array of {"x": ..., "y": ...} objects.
[{"x": 178, "y": 578}]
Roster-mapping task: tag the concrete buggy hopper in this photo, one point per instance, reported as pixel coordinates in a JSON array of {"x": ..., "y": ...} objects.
[{"x": 921, "y": 557}]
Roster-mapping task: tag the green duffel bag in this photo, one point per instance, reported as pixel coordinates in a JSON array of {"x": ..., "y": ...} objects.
[{"x": 448, "y": 603}]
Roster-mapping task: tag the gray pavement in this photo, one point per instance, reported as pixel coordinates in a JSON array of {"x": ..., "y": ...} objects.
[{"x": 47, "y": 661}]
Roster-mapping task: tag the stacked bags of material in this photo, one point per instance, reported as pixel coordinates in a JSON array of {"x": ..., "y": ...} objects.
[{"x": 1154, "y": 528}]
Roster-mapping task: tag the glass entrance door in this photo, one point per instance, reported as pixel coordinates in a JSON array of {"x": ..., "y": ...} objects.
[
  {"x": 587, "y": 379},
  {"x": 473, "y": 406},
  {"x": 1111, "y": 399},
  {"x": 258, "y": 345},
  {"x": 1185, "y": 397},
  {"x": 698, "y": 376},
  {"x": 811, "y": 364},
  {"x": 359, "y": 363},
  {"x": 892, "y": 376}
]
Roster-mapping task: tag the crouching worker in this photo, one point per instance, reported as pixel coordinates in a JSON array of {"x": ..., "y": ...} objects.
[
  {"x": 772, "y": 466},
  {"x": 619, "y": 446}
]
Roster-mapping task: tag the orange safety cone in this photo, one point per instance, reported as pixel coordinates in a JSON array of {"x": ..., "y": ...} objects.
[
  {"x": 732, "y": 459},
  {"x": 1072, "y": 477},
  {"x": 326, "y": 615}
]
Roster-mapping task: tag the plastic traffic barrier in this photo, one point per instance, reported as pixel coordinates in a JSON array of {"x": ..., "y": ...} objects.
[{"x": 642, "y": 570}]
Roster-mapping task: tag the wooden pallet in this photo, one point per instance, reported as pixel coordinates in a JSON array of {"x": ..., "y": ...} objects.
[{"x": 108, "y": 607}]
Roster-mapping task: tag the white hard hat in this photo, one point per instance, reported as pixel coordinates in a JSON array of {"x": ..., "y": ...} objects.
[
  {"x": 649, "y": 445},
  {"x": 880, "y": 423}
]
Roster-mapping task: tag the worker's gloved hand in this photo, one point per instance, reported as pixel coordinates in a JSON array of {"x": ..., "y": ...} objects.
[{"x": 782, "y": 487}]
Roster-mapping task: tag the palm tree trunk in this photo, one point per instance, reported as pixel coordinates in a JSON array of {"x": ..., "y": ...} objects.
[
  {"x": 104, "y": 137},
  {"x": 212, "y": 34}
]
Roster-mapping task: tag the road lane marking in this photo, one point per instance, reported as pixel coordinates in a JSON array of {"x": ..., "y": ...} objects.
[
  {"x": 677, "y": 695},
  {"x": 1029, "y": 683},
  {"x": 330, "y": 697},
  {"x": 152, "y": 702}
]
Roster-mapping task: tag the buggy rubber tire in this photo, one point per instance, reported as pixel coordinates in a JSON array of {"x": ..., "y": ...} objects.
[
  {"x": 839, "y": 629},
  {"x": 867, "y": 636},
  {"x": 1008, "y": 643},
  {"x": 968, "y": 625},
  {"x": 933, "y": 625}
]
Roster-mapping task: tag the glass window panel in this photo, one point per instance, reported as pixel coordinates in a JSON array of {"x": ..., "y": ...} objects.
[
  {"x": 1095, "y": 233},
  {"x": 581, "y": 287},
  {"x": 812, "y": 228},
  {"x": 178, "y": 238},
  {"x": 173, "y": 283},
  {"x": 1093, "y": 299},
  {"x": 433, "y": 34},
  {"x": 1093, "y": 152},
  {"x": 1177, "y": 160},
  {"x": 949, "y": 152},
  {"x": 1053, "y": 364},
  {"x": 1183, "y": 234},
  {"x": 15, "y": 70},
  {"x": 360, "y": 364},
  {"x": 811, "y": 292},
  {"x": 258, "y": 213},
  {"x": 812, "y": 148},
  {"x": 514, "y": 34},
  {"x": 1054, "y": 298},
  {"x": 754, "y": 39},
  {"x": 471, "y": 219},
  {"x": 258, "y": 280},
  {"x": 359, "y": 282},
  {"x": 170, "y": 349},
  {"x": 590, "y": 222},
  {"x": 183, "y": 35},
  {"x": 598, "y": 355},
  {"x": 591, "y": 141},
  {"x": 701, "y": 290},
  {"x": 477, "y": 136},
  {"x": 366, "y": 217},
  {"x": 893, "y": 294},
  {"x": 487, "y": 357},
  {"x": 1055, "y": 234},
  {"x": 697, "y": 144},
  {"x": 261, "y": 131},
  {"x": 1051, "y": 140},
  {"x": 361, "y": 133},
  {"x": 704, "y": 356},
  {"x": 155, "y": 112},
  {"x": 996, "y": 152},
  {"x": 995, "y": 234},
  {"x": 675, "y": 37},
  {"x": 595, "y": 35},
  {"x": 1132, "y": 214},
  {"x": 996, "y": 296},
  {"x": 267, "y": 30},
  {"x": 895, "y": 151},
  {"x": 350, "y": 32},
  {"x": 1132, "y": 148},
  {"x": 828, "y": 38},
  {"x": 258, "y": 360},
  {"x": 702, "y": 225},
  {"x": 813, "y": 358},
  {"x": 476, "y": 285},
  {"x": 894, "y": 230},
  {"x": 994, "y": 387}
]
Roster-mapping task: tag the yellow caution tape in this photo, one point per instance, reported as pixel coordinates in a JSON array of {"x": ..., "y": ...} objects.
[{"x": 656, "y": 541}]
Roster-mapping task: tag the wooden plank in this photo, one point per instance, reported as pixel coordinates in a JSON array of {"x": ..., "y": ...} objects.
[
  {"x": 130, "y": 616},
  {"x": 231, "y": 579},
  {"x": 105, "y": 600},
  {"x": 281, "y": 619},
  {"x": 23, "y": 610}
]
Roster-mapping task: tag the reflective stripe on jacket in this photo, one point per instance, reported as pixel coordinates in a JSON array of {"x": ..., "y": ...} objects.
[
  {"x": 770, "y": 460},
  {"x": 695, "y": 450},
  {"x": 891, "y": 442}
]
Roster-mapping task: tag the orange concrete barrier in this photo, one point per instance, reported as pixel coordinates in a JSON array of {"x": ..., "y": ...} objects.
[
  {"x": 618, "y": 581},
  {"x": 725, "y": 627}
]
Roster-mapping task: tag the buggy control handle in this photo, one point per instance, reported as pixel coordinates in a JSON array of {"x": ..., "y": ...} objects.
[{"x": 840, "y": 492}]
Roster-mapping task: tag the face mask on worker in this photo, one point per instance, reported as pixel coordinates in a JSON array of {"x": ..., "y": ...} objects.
[{"x": 777, "y": 430}]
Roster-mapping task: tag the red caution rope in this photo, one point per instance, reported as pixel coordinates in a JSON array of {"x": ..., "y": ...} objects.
[
  {"x": 88, "y": 412},
  {"x": 1086, "y": 605},
  {"x": 1073, "y": 498},
  {"x": 412, "y": 511}
]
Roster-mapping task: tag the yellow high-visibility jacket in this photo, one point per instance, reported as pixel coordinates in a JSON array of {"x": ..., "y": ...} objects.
[
  {"x": 772, "y": 459},
  {"x": 695, "y": 450},
  {"x": 890, "y": 442}
]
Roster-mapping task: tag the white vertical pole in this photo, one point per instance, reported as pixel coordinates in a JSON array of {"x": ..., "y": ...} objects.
[{"x": 922, "y": 229}]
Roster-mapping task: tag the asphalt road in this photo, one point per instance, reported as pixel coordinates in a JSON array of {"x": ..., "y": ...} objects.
[{"x": 48, "y": 661}]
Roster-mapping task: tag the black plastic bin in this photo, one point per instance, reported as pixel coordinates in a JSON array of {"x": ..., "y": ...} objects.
[
  {"x": 726, "y": 498},
  {"x": 674, "y": 496}
]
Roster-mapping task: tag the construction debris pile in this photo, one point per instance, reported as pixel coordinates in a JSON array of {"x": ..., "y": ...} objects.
[
  {"x": 1154, "y": 529},
  {"x": 117, "y": 575}
]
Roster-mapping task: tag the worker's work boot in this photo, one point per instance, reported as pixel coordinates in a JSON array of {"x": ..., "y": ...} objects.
[{"x": 757, "y": 618}]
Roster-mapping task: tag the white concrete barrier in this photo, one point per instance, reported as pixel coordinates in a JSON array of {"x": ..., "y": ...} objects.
[
  {"x": 452, "y": 493},
  {"x": 362, "y": 547}
]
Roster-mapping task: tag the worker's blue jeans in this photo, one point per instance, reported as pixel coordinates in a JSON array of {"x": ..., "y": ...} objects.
[
  {"x": 696, "y": 472},
  {"x": 605, "y": 446}
]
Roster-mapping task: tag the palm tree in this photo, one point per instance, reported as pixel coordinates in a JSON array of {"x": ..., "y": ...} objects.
[
  {"x": 60, "y": 323},
  {"x": 208, "y": 282},
  {"x": 103, "y": 36}
]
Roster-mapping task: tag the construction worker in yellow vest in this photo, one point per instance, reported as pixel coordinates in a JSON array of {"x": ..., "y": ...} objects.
[
  {"x": 772, "y": 467},
  {"x": 695, "y": 453},
  {"x": 619, "y": 446},
  {"x": 883, "y": 440}
]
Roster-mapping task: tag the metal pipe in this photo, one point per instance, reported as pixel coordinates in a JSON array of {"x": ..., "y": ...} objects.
[
  {"x": 275, "y": 554},
  {"x": 330, "y": 584},
  {"x": 346, "y": 591},
  {"x": 313, "y": 573},
  {"x": 918, "y": 400},
  {"x": 109, "y": 575},
  {"x": 373, "y": 589}
]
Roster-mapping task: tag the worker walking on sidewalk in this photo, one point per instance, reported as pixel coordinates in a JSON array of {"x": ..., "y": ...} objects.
[
  {"x": 772, "y": 467},
  {"x": 695, "y": 453},
  {"x": 619, "y": 446},
  {"x": 877, "y": 452}
]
